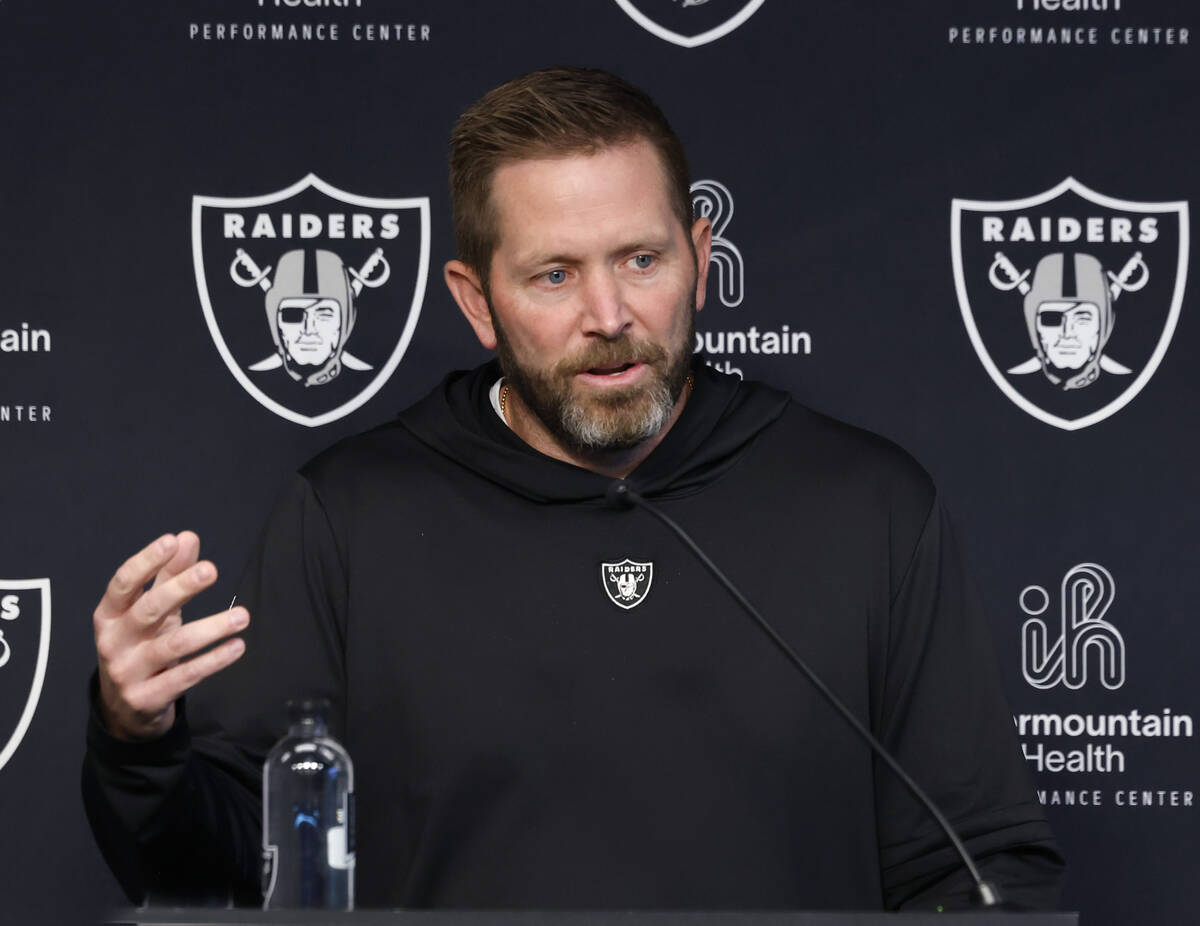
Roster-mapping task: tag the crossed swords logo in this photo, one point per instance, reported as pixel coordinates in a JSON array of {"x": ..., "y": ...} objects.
[
  {"x": 1004, "y": 275},
  {"x": 373, "y": 274}
]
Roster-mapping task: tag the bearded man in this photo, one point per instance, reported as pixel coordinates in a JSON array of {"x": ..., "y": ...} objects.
[{"x": 549, "y": 702}]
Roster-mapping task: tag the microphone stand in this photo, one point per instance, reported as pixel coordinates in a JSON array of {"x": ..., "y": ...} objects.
[{"x": 984, "y": 894}]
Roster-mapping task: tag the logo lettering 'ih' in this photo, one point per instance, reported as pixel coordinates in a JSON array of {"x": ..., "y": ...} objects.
[
  {"x": 1088, "y": 591},
  {"x": 311, "y": 294},
  {"x": 689, "y": 23},
  {"x": 24, "y": 652},
  {"x": 626, "y": 583},
  {"x": 1040, "y": 282},
  {"x": 712, "y": 200}
]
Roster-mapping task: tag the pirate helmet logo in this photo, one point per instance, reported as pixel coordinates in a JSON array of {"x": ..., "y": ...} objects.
[
  {"x": 1069, "y": 255},
  {"x": 310, "y": 319},
  {"x": 311, "y": 294},
  {"x": 1069, "y": 323},
  {"x": 626, "y": 583}
]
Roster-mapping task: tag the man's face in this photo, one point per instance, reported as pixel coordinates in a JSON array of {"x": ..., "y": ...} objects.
[
  {"x": 309, "y": 329},
  {"x": 1069, "y": 332},
  {"x": 593, "y": 289}
]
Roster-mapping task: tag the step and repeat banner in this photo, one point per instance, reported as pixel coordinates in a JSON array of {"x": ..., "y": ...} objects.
[{"x": 963, "y": 225}]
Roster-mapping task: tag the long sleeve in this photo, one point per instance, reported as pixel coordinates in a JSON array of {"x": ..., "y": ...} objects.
[
  {"x": 179, "y": 818},
  {"x": 175, "y": 821},
  {"x": 945, "y": 718}
]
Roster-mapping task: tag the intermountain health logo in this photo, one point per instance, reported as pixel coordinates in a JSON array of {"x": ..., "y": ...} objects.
[
  {"x": 690, "y": 22},
  {"x": 311, "y": 293},
  {"x": 712, "y": 200},
  {"x": 626, "y": 583},
  {"x": 24, "y": 650},
  {"x": 1065, "y": 649},
  {"x": 1070, "y": 297},
  {"x": 1102, "y": 750}
]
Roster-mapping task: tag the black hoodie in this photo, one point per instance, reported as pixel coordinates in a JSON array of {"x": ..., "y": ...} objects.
[{"x": 528, "y": 734}]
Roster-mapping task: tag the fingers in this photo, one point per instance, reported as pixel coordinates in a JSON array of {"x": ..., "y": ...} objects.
[
  {"x": 129, "y": 580},
  {"x": 147, "y": 656},
  {"x": 194, "y": 636},
  {"x": 161, "y": 690},
  {"x": 139, "y": 689},
  {"x": 187, "y": 552},
  {"x": 171, "y": 595},
  {"x": 156, "y": 612}
]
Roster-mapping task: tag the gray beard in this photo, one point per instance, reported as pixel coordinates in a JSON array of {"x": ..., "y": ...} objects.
[
  {"x": 593, "y": 433},
  {"x": 619, "y": 421}
]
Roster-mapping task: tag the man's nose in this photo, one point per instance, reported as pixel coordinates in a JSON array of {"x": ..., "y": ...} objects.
[
  {"x": 606, "y": 310},
  {"x": 310, "y": 322}
]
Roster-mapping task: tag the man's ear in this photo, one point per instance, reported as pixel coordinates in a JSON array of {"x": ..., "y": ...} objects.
[
  {"x": 464, "y": 285},
  {"x": 702, "y": 242}
]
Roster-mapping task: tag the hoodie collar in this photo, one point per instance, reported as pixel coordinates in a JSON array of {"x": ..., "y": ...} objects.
[{"x": 719, "y": 422}]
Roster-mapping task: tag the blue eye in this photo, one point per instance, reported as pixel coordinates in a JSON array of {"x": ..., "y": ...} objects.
[
  {"x": 556, "y": 277},
  {"x": 644, "y": 261}
]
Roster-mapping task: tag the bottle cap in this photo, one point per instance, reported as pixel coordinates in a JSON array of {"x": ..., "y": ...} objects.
[{"x": 301, "y": 709}]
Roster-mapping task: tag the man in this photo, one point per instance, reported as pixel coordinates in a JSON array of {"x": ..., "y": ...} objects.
[{"x": 523, "y": 734}]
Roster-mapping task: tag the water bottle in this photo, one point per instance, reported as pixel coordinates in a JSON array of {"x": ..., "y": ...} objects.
[{"x": 308, "y": 816}]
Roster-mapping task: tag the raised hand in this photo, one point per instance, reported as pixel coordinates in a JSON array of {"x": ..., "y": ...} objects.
[{"x": 146, "y": 653}]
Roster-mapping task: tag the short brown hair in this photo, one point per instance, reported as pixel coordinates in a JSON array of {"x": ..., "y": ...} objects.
[{"x": 556, "y": 111}]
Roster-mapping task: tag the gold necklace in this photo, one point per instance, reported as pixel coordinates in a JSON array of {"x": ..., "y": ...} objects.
[{"x": 689, "y": 384}]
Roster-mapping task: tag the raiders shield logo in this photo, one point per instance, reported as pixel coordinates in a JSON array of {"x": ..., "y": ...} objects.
[
  {"x": 690, "y": 22},
  {"x": 311, "y": 294},
  {"x": 626, "y": 583},
  {"x": 24, "y": 649},
  {"x": 1070, "y": 297}
]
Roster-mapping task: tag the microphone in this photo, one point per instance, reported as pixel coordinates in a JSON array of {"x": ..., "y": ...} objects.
[{"x": 622, "y": 496}]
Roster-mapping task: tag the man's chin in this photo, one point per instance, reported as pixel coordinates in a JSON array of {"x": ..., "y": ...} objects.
[
  {"x": 610, "y": 399},
  {"x": 615, "y": 421}
]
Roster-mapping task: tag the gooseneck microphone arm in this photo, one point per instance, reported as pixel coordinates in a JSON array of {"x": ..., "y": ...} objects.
[{"x": 621, "y": 495}]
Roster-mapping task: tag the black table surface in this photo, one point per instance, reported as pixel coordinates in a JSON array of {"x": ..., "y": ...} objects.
[{"x": 250, "y": 917}]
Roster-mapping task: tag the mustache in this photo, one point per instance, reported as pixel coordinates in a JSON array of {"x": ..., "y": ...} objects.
[{"x": 612, "y": 353}]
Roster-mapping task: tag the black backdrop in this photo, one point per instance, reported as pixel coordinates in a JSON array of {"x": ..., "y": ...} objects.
[{"x": 843, "y": 132}]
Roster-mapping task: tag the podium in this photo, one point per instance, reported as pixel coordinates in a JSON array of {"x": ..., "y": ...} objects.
[{"x": 248, "y": 917}]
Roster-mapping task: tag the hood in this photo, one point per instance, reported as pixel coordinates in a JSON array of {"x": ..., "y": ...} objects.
[{"x": 722, "y": 418}]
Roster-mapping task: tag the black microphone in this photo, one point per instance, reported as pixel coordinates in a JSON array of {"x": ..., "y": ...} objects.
[{"x": 621, "y": 495}]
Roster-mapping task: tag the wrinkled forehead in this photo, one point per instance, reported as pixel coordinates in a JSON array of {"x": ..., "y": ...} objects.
[{"x": 549, "y": 186}]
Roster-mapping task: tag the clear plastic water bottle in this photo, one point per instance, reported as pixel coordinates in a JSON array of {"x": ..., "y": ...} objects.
[{"x": 308, "y": 816}]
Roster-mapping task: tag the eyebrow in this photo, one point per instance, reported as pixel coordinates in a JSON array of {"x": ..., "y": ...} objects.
[
  {"x": 540, "y": 259},
  {"x": 543, "y": 258}
]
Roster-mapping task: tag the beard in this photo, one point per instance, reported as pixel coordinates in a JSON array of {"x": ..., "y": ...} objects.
[{"x": 614, "y": 419}]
